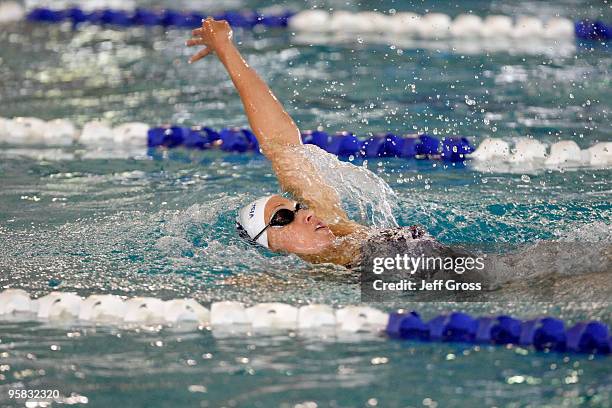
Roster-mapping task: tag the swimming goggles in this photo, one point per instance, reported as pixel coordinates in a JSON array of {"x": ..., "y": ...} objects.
[{"x": 281, "y": 218}]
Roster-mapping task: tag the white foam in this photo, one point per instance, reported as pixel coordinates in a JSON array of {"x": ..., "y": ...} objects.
[
  {"x": 10, "y": 12},
  {"x": 361, "y": 318},
  {"x": 528, "y": 28},
  {"x": 314, "y": 316},
  {"x": 16, "y": 301},
  {"x": 104, "y": 308},
  {"x": 435, "y": 25},
  {"x": 96, "y": 132},
  {"x": 226, "y": 313},
  {"x": 310, "y": 20},
  {"x": 185, "y": 310},
  {"x": 273, "y": 315},
  {"x": 131, "y": 133},
  {"x": 145, "y": 310},
  {"x": 490, "y": 149},
  {"x": 497, "y": 26},
  {"x": 59, "y": 305},
  {"x": 466, "y": 26},
  {"x": 600, "y": 154},
  {"x": 559, "y": 28},
  {"x": 527, "y": 149},
  {"x": 565, "y": 151}
]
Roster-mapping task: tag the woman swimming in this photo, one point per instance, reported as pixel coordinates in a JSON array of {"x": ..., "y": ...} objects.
[{"x": 314, "y": 226}]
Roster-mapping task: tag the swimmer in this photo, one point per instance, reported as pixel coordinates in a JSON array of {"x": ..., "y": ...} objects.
[{"x": 314, "y": 225}]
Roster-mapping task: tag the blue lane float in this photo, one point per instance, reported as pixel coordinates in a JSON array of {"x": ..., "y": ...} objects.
[
  {"x": 343, "y": 144},
  {"x": 593, "y": 30},
  {"x": 151, "y": 17},
  {"x": 544, "y": 334}
]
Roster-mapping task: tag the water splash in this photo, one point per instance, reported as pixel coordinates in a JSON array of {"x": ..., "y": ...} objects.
[{"x": 366, "y": 197}]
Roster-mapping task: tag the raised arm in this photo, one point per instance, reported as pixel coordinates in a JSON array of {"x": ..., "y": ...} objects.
[
  {"x": 276, "y": 132},
  {"x": 271, "y": 124}
]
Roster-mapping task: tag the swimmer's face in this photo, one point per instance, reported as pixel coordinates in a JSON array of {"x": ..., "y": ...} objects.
[{"x": 306, "y": 235}]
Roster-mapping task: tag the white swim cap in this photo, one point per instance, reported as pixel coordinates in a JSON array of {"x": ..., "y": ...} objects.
[{"x": 251, "y": 219}]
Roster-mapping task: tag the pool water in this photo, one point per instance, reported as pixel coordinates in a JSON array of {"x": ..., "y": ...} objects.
[{"x": 160, "y": 223}]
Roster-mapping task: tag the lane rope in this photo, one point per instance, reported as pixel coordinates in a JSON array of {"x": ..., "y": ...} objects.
[
  {"x": 542, "y": 333},
  {"x": 451, "y": 149},
  {"x": 428, "y": 26}
]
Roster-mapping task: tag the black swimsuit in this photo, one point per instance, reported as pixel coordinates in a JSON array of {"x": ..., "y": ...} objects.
[{"x": 414, "y": 242}]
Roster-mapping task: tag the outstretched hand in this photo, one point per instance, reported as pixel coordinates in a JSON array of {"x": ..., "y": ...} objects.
[{"x": 213, "y": 34}]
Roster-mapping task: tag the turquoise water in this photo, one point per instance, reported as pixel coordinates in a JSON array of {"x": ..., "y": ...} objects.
[{"x": 160, "y": 223}]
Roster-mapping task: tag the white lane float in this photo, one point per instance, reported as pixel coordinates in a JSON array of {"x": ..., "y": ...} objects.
[
  {"x": 16, "y": 301},
  {"x": 600, "y": 154},
  {"x": 60, "y": 132},
  {"x": 361, "y": 318},
  {"x": 24, "y": 131},
  {"x": 528, "y": 28},
  {"x": 102, "y": 308},
  {"x": 343, "y": 21},
  {"x": 466, "y": 26},
  {"x": 310, "y": 20},
  {"x": 59, "y": 305},
  {"x": 526, "y": 150},
  {"x": 372, "y": 21},
  {"x": 559, "y": 28},
  {"x": 10, "y": 12},
  {"x": 405, "y": 23},
  {"x": 495, "y": 26},
  {"x": 186, "y": 310},
  {"x": 96, "y": 132},
  {"x": 492, "y": 149},
  {"x": 272, "y": 315},
  {"x": 131, "y": 133},
  {"x": 315, "y": 316},
  {"x": 228, "y": 313},
  {"x": 564, "y": 152},
  {"x": 144, "y": 310},
  {"x": 435, "y": 26}
]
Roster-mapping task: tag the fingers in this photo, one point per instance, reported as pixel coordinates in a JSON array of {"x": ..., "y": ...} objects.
[
  {"x": 199, "y": 55},
  {"x": 199, "y": 31},
  {"x": 194, "y": 41}
]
